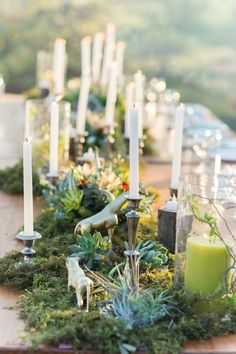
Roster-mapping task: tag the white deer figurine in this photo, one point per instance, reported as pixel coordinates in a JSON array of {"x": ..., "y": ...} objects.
[{"x": 78, "y": 280}]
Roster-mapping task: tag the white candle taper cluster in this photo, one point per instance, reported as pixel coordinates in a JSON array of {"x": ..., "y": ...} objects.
[
  {"x": 111, "y": 95},
  {"x": 120, "y": 49},
  {"x": 59, "y": 65},
  {"x": 134, "y": 154},
  {"x": 98, "y": 40},
  {"x": 54, "y": 136},
  {"x": 28, "y": 187},
  {"x": 129, "y": 103},
  {"x": 176, "y": 162},
  {"x": 139, "y": 97},
  {"x": 108, "y": 53}
]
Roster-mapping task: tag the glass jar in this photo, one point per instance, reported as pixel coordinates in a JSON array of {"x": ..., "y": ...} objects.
[
  {"x": 206, "y": 234},
  {"x": 37, "y": 125}
]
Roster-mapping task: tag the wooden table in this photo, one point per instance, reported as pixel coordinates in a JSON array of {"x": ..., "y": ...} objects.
[{"x": 11, "y": 327}]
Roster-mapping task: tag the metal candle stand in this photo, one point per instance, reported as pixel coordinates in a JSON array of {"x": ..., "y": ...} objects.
[
  {"x": 79, "y": 141},
  {"x": 132, "y": 256},
  {"x": 52, "y": 179},
  {"x": 28, "y": 241},
  {"x": 109, "y": 132}
]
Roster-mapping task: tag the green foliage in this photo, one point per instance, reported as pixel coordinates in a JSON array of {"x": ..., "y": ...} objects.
[
  {"x": 207, "y": 217},
  {"x": 92, "y": 248},
  {"x": 11, "y": 180}
]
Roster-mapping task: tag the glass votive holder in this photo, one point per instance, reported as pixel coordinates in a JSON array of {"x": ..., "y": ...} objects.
[
  {"x": 205, "y": 235},
  {"x": 37, "y": 125}
]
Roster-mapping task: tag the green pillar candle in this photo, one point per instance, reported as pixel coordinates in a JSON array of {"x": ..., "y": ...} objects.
[{"x": 206, "y": 264}]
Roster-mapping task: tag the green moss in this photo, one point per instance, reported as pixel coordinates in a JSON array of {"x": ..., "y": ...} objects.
[
  {"x": 50, "y": 310},
  {"x": 11, "y": 180}
]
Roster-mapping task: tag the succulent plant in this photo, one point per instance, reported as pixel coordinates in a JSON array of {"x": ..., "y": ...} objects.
[
  {"x": 92, "y": 248},
  {"x": 152, "y": 253}
]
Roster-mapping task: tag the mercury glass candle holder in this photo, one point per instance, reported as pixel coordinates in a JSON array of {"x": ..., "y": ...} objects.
[
  {"x": 28, "y": 241},
  {"x": 205, "y": 234},
  {"x": 37, "y": 125}
]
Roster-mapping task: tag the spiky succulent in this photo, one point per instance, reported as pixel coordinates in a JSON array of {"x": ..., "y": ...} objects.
[{"x": 134, "y": 307}]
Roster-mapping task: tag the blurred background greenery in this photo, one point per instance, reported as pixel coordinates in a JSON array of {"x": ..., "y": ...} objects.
[{"x": 192, "y": 43}]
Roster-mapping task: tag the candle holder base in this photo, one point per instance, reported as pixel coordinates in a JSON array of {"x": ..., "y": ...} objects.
[{"x": 28, "y": 241}]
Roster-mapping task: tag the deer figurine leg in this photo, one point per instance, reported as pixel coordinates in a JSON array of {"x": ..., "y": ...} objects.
[
  {"x": 110, "y": 232},
  {"x": 79, "y": 296}
]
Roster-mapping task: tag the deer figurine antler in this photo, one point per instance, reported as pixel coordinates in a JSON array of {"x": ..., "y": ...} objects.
[{"x": 106, "y": 218}]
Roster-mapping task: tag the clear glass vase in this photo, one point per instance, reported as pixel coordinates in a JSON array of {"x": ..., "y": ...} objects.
[
  {"x": 206, "y": 234},
  {"x": 37, "y": 125}
]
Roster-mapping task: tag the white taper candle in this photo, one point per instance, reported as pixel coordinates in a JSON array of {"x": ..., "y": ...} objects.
[
  {"x": 82, "y": 104},
  {"x": 97, "y": 55},
  {"x": 134, "y": 154},
  {"x": 108, "y": 53},
  {"x": 86, "y": 56},
  {"x": 28, "y": 187},
  {"x": 59, "y": 65},
  {"x": 176, "y": 162},
  {"x": 120, "y": 49},
  {"x": 217, "y": 166},
  {"x": 111, "y": 95},
  {"x": 129, "y": 103},
  {"x": 139, "y": 98},
  {"x": 54, "y": 136}
]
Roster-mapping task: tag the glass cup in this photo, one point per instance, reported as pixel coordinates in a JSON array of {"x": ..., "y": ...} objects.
[
  {"x": 37, "y": 125},
  {"x": 206, "y": 235}
]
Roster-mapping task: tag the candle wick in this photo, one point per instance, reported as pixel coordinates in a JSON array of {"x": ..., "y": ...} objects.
[{"x": 28, "y": 139}]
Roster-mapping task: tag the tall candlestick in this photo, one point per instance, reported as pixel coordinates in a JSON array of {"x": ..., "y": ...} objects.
[
  {"x": 86, "y": 56},
  {"x": 54, "y": 135},
  {"x": 176, "y": 162},
  {"x": 134, "y": 154},
  {"x": 111, "y": 95},
  {"x": 28, "y": 187},
  {"x": 108, "y": 53},
  {"x": 120, "y": 49},
  {"x": 217, "y": 166},
  {"x": 139, "y": 97},
  {"x": 97, "y": 55},
  {"x": 82, "y": 105},
  {"x": 129, "y": 102},
  {"x": 59, "y": 65}
]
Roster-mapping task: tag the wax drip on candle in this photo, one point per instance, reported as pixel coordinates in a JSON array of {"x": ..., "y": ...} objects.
[{"x": 171, "y": 205}]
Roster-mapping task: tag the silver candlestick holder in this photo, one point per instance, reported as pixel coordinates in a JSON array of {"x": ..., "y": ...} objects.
[
  {"x": 79, "y": 141},
  {"x": 109, "y": 131},
  {"x": 28, "y": 241},
  {"x": 132, "y": 256},
  {"x": 53, "y": 179}
]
